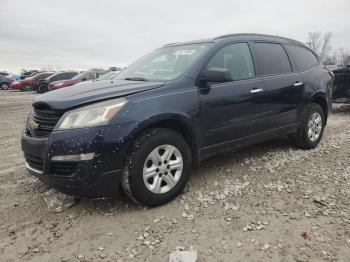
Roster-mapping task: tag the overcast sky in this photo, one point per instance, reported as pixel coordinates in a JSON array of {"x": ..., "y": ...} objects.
[{"x": 80, "y": 34}]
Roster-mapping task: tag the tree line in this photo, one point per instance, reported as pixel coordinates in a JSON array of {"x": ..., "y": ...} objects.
[{"x": 321, "y": 44}]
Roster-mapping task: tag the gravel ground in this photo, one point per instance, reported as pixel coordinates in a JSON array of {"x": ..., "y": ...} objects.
[{"x": 269, "y": 202}]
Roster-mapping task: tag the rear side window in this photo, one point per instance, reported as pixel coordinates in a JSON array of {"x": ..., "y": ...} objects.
[
  {"x": 63, "y": 76},
  {"x": 272, "y": 58},
  {"x": 70, "y": 75},
  {"x": 303, "y": 58},
  {"x": 55, "y": 78},
  {"x": 44, "y": 76},
  {"x": 58, "y": 77},
  {"x": 237, "y": 59},
  {"x": 94, "y": 75}
]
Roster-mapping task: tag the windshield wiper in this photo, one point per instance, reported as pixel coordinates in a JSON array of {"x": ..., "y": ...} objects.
[{"x": 135, "y": 78}]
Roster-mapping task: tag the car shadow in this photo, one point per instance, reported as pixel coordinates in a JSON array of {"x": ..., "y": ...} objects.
[
  {"x": 207, "y": 168},
  {"x": 341, "y": 108}
]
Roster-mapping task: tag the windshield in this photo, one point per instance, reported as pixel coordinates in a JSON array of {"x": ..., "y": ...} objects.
[
  {"x": 79, "y": 76},
  {"x": 164, "y": 64}
]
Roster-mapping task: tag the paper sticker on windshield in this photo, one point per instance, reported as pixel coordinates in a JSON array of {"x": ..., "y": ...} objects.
[{"x": 185, "y": 52}]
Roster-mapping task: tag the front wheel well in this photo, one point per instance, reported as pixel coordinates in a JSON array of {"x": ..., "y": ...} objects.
[{"x": 182, "y": 129}]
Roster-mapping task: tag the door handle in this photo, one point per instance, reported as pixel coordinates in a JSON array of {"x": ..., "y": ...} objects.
[
  {"x": 298, "y": 84},
  {"x": 256, "y": 90}
]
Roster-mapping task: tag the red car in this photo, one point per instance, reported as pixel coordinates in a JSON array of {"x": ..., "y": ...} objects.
[
  {"x": 29, "y": 83},
  {"x": 84, "y": 76}
]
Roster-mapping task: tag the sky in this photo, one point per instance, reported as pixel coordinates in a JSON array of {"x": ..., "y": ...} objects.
[{"x": 83, "y": 34}]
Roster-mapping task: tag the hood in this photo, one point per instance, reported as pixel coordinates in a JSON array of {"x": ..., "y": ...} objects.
[{"x": 76, "y": 95}]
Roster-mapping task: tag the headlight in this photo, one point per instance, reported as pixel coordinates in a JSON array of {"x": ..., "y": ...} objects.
[{"x": 92, "y": 115}]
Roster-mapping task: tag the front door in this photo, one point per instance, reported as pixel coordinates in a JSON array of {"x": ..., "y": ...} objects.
[{"x": 235, "y": 109}]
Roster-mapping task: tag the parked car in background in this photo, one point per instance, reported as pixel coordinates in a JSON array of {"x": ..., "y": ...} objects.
[
  {"x": 84, "y": 76},
  {"x": 5, "y": 82},
  {"x": 43, "y": 85},
  {"x": 341, "y": 93},
  {"x": 30, "y": 83},
  {"x": 9, "y": 75},
  {"x": 144, "y": 131},
  {"x": 106, "y": 76},
  {"x": 25, "y": 74}
]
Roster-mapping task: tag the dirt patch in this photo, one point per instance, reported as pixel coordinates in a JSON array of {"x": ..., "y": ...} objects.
[{"x": 269, "y": 202}]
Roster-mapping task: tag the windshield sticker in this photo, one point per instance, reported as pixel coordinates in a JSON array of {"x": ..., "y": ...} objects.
[{"x": 185, "y": 52}]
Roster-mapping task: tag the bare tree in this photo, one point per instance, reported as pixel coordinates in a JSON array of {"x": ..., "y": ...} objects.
[
  {"x": 343, "y": 56},
  {"x": 320, "y": 43},
  {"x": 331, "y": 59}
]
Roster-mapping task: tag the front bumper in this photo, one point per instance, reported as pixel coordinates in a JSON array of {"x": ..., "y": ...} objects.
[
  {"x": 96, "y": 178},
  {"x": 16, "y": 86}
]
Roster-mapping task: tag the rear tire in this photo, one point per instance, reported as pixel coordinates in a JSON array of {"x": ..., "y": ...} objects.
[
  {"x": 157, "y": 167},
  {"x": 43, "y": 89},
  {"x": 311, "y": 128}
]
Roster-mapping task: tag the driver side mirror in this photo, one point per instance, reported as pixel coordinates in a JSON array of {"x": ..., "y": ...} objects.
[{"x": 215, "y": 75}]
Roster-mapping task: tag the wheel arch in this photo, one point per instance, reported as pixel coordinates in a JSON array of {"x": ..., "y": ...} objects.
[
  {"x": 321, "y": 100},
  {"x": 178, "y": 123}
]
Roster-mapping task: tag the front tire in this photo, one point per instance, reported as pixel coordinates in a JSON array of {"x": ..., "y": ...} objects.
[
  {"x": 157, "y": 167},
  {"x": 5, "y": 86},
  {"x": 311, "y": 128}
]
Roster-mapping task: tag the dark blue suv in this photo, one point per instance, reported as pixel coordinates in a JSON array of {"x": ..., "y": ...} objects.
[{"x": 144, "y": 130}]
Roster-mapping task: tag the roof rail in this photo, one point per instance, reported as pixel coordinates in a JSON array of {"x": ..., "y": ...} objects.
[
  {"x": 171, "y": 44},
  {"x": 254, "y": 34},
  {"x": 244, "y": 34}
]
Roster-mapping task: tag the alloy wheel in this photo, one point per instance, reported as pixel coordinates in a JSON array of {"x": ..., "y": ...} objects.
[
  {"x": 314, "y": 126},
  {"x": 4, "y": 86},
  {"x": 162, "y": 169}
]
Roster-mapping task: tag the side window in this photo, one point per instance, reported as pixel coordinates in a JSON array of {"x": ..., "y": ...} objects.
[
  {"x": 303, "y": 58},
  {"x": 272, "y": 58},
  {"x": 91, "y": 76},
  {"x": 55, "y": 78},
  {"x": 70, "y": 75},
  {"x": 60, "y": 77},
  {"x": 94, "y": 75},
  {"x": 44, "y": 76},
  {"x": 237, "y": 59}
]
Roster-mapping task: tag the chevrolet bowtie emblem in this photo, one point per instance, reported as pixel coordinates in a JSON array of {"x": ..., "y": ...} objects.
[{"x": 34, "y": 125}]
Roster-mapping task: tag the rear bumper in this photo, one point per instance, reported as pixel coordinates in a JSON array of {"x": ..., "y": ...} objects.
[{"x": 99, "y": 177}]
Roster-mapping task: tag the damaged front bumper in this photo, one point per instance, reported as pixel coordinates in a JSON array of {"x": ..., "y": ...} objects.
[{"x": 84, "y": 162}]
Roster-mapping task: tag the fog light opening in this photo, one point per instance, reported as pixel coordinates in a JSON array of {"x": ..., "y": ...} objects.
[{"x": 79, "y": 157}]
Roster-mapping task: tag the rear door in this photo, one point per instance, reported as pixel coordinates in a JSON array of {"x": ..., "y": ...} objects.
[{"x": 283, "y": 88}]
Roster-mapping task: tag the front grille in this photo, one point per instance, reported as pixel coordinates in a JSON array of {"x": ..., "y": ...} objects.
[
  {"x": 34, "y": 161},
  {"x": 63, "y": 168},
  {"x": 46, "y": 120}
]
